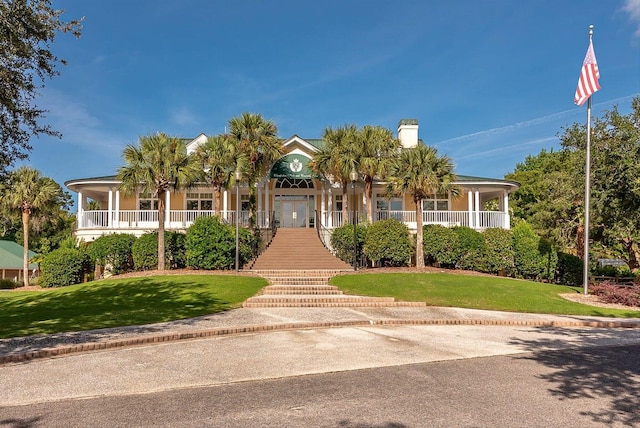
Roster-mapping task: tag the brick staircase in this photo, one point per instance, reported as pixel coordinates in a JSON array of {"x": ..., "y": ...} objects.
[
  {"x": 310, "y": 288},
  {"x": 297, "y": 249}
]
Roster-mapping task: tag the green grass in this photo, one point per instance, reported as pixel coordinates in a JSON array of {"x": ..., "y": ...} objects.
[
  {"x": 475, "y": 292},
  {"x": 121, "y": 302}
]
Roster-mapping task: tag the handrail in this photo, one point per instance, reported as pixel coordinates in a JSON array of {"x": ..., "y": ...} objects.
[{"x": 323, "y": 233}]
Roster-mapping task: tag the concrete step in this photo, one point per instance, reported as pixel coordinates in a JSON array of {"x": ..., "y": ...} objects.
[
  {"x": 298, "y": 299},
  {"x": 301, "y": 289},
  {"x": 333, "y": 304}
]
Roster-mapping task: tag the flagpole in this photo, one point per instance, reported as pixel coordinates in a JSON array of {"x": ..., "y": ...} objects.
[{"x": 587, "y": 189}]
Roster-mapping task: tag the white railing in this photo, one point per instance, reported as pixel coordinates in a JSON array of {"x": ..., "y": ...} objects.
[{"x": 182, "y": 219}]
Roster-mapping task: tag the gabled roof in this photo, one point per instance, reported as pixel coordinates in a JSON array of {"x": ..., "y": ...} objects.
[{"x": 11, "y": 256}]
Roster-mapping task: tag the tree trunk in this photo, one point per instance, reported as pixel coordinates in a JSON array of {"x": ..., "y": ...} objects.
[
  {"x": 632, "y": 257},
  {"x": 25, "y": 247},
  {"x": 345, "y": 205},
  {"x": 580, "y": 242},
  {"x": 419, "y": 236},
  {"x": 161, "y": 218},
  {"x": 368, "y": 190},
  {"x": 217, "y": 198}
]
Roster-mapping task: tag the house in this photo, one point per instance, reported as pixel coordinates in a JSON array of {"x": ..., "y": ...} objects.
[
  {"x": 11, "y": 260},
  {"x": 290, "y": 196}
]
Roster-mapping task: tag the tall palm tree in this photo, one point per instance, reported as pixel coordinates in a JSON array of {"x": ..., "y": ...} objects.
[
  {"x": 158, "y": 165},
  {"x": 257, "y": 141},
  {"x": 218, "y": 159},
  {"x": 336, "y": 159},
  {"x": 32, "y": 194},
  {"x": 375, "y": 149},
  {"x": 421, "y": 172}
]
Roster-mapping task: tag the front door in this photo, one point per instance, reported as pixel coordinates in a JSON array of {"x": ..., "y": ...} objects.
[{"x": 294, "y": 213}]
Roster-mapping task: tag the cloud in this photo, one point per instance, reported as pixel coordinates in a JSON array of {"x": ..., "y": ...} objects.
[
  {"x": 182, "y": 116},
  {"x": 632, "y": 7},
  {"x": 538, "y": 141}
]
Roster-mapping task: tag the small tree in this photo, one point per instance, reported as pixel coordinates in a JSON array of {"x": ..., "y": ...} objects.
[
  {"x": 211, "y": 244},
  {"x": 499, "y": 255},
  {"x": 113, "y": 251},
  {"x": 472, "y": 248},
  {"x": 441, "y": 245},
  {"x": 388, "y": 243},
  {"x": 342, "y": 241}
]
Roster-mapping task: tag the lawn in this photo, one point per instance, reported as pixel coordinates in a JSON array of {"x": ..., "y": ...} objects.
[
  {"x": 476, "y": 292},
  {"x": 121, "y": 302}
]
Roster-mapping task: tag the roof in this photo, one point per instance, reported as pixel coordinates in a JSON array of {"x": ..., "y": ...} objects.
[{"x": 11, "y": 256}]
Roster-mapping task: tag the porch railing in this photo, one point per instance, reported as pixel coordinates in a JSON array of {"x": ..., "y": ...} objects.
[{"x": 182, "y": 219}]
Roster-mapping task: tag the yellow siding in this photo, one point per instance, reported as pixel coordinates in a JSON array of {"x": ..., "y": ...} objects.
[
  {"x": 127, "y": 202},
  {"x": 177, "y": 201},
  {"x": 459, "y": 203}
]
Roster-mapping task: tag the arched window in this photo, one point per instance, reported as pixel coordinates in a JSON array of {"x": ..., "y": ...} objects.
[{"x": 294, "y": 183}]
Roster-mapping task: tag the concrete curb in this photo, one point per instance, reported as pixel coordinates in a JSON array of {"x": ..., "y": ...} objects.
[{"x": 247, "y": 329}]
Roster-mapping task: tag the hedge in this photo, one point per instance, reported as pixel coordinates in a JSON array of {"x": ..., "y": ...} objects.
[
  {"x": 64, "y": 266},
  {"x": 145, "y": 251},
  {"x": 388, "y": 243},
  {"x": 499, "y": 252},
  {"x": 113, "y": 251},
  {"x": 342, "y": 241},
  {"x": 211, "y": 244},
  {"x": 440, "y": 245},
  {"x": 471, "y": 249}
]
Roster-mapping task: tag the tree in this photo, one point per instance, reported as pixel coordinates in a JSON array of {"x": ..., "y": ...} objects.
[
  {"x": 31, "y": 194},
  {"x": 421, "y": 172},
  {"x": 375, "y": 148},
  {"x": 27, "y": 30},
  {"x": 256, "y": 139},
  {"x": 158, "y": 165},
  {"x": 218, "y": 159},
  {"x": 336, "y": 159}
]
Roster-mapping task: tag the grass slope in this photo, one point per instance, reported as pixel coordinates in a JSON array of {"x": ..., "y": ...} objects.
[
  {"x": 121, "y": 302},
  {"x": 475, "y": 292}
]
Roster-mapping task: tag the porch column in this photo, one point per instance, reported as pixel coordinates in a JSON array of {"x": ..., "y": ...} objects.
[
  {"x": 259, "y": 195},
  {"x": 477, "y": 207},
  {"x": 323, "y": 204},
  {"x": 225, "y": 200},
  {"x": 167, "y": 209},
  {"x": 505, "y": 208},
  {"x": 267, "y": 204},
  {"x": 330, "y": 207},
  {"x": 117, "y": 213},
  {"x": 470, "y": 207},
  {"x": 81, "y": 204},
  {"x": 110, "y": 212}
]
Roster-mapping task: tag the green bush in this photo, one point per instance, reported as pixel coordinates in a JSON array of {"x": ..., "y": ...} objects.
[
  {"x": 342, "y": 241},
  {"x": 440, "y": 245},
  {"x": 471, "y": 249},
  {"x": 569, "y": 269},
  {"x": 7, "y": 284},
  {"x": 145, "y": 251},
  {"x": 113, "y": 252},
  {"x": 548, "y": 260},
  {"x": 499, "y": 253},
  {"x": 388, "y": 243},
  {"x": 211, "y": 244},
  {"x": 64, "y": 266}
]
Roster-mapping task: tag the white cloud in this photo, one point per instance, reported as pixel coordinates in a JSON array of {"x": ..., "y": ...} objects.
[{"x": 632, "y": 7}]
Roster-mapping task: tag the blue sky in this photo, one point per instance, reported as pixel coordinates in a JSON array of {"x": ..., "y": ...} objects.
[{"x": 489, "y": 81}]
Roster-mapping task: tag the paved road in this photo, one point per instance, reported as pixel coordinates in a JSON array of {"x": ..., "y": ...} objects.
[
  {"x": 510, "y": 375},
  {"x": 576, "y": 387}
]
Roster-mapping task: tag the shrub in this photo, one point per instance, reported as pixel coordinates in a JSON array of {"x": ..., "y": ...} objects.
[
  {"x": 611, "y": 293},
  {"x": 569, "y": 269},
  {"x": 342, "y": 241},
  {"x": 548, "y": 260},
  {"x": 64, "y": 266},
  {"x": 499, "y": 253},
  {"x": 388, "y": 243},
  {"x": 7, "y": 284},
  {"x": 145, "y": 251},
  {"x": 113, "y": 252},
  {"x": 527, "y": 259},
  {"x": 440, "y": 245},
  {"x": 210, "y": 244},
  {"x": 471, "y": 248}
]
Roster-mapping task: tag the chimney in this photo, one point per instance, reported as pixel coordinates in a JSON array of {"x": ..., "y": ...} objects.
[{"x": 408, "y": 133}]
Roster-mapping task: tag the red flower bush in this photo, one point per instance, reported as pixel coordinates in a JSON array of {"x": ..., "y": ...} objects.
[{"x": 609, "y": 292}]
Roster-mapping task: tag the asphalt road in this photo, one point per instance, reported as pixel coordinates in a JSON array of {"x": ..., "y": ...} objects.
[
  {"x": 586, "y": 387},
  {"x": 405, "y": 376}
]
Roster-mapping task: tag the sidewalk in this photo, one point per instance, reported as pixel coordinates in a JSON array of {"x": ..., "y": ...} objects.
[{"x": 254, "y": 320}]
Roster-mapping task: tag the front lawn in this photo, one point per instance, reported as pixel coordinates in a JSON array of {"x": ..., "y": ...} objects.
[
  {"x": 475, "y": 292},
  {"x": 121, "y": 302}
]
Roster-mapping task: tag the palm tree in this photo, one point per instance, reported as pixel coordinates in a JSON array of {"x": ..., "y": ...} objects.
[
  {"x": 375, "y": 149},
  {"x": 32, "y": 194},
  {"x": 421, "y": 172},
  {"x": 257, "y": 141},
  {"x": 218, "y": 159},
  {"x": 160, "y": 164},
  {"x": 336, "y": 159}
]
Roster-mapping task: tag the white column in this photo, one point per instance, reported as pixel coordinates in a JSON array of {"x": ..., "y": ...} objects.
[
  {"x": 110, "y": 211},
  {"x": 117, "y": 214},
  {"x": 477, "y": 207},
  {"x": 267, "y": 203},
  {"x": 81, "y": 205},
  {"x": 470, "y": 207},
  {"x": 505, "y": 205},
  {"x": 323, "y": 204},
  {"x": 225, "y": 203},
  {"x": 259, "y": 216},
  {"x": 330, "y": 207},
  {"x": 167, "y": 209}
]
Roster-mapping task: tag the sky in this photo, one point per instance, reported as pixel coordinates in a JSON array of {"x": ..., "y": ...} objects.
[{"x": 489, "y": 81}]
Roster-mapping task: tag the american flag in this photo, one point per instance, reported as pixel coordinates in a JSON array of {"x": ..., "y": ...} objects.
[{"x": 589, "y": 75}]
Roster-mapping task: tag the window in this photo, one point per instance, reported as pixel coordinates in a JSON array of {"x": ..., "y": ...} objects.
[
  {"x": 338, "y": 202},
  {"x": 393, "y": 204},
  {"x": 199, "y": 201},
  {"x": 147, "y": 202},
  {"x": 244, "y": 202},
  {"x": 439, "y": 203}
]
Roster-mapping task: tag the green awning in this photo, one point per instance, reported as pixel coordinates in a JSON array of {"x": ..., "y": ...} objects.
[{"x": 292, "y": 166}]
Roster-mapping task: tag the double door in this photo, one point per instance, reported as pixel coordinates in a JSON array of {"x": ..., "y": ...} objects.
[{"x": 293, "y": 211}]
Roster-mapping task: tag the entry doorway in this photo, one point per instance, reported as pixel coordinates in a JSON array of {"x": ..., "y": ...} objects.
[{"x": 294, "y": 210}]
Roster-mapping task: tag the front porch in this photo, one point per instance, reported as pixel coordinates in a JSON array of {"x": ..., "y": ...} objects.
[{"x": 92, "y": 224}]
